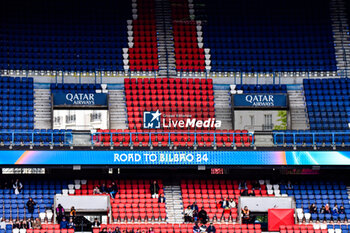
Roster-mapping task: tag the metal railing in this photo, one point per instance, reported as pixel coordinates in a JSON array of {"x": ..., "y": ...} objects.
[
  {"x": 96, "y": 136},
  {"x": 30, "y": 138},
  {"x": 317, "y": 138}
]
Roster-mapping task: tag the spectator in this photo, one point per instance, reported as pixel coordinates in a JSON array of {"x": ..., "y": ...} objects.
[
  {"x": 104, "y": 230},
  {"x": 117, "y": 230},
  {"x": 110, "y": 231},
  {"x": 113, "y": 190},
  {"x": 195, "y": 215},
  {"x": 251, "y": 193},
  {"x": 96, "y": 224},
  {"x": 37, "y": 224},
  {"x": 289, "y": 185},
  {"x": 155, "y": 189},
  {"x": 71, "y": 224},
  {"x": 30, "y": 206},
  {"x": 313, "y": 209},
  {"x": 194, "y": 206},
  {"x": 64, "y": 223},
  {"x": 203, "y": 216},
  {"x": 225, "y": 204},
  {"x": 203, "y": 228},
  {"x": 246, "y": 215},
  {"x": 151, "y": 230},
  {"x": 103, "y": 189},
  {"x": 161, "y": 198},
  {"x": 327, "y": 209},
  {"x": 196, "y": 228},
  {"x": 96, "y": 190},
  {"x": 30, "y": 224},
  {"x": 16, "y": 225},
  {"x": 322, "y": 210},
  {"x": 3, "y": 224},
  {"x": 242, "y": 185},
  {"x": 59, "y": 213},
  {"x": 341, "y": 210},
  {"x": 232, "y": 204},
  {"x": 17, "y": 187},
  {"x": 335, "y": 209},
  {"x": 72, "y": 213},
  {"x": 211, "y": 228},
  {"x": 244, "y": 193},
  {"x": 256, "y": 185},
  {"x": 188, "y": 214}
]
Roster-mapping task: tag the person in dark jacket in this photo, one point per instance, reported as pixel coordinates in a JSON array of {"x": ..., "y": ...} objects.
[
  {"x": 113, "y": 190},
  {"x": 211, "y": 228},
  {"x": 30, "y": 206},
  {"x": 161, "y": 198},
  {"x": 155, "y": 189},
  {"x": 64, "y": 223},
  {"x": 103, "y": 188},
  {"x": 203, "y": 216}
]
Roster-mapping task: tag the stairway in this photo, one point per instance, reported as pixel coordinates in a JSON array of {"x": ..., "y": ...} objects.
[
  {"x": 166, "y": 49},
  {"x": 340, "y": 33},
  {"x": 222, "y": 100},
  {"x": 42, "y": 109},
  {"x": 298, "y": 113},
  {"x": 174, "y": 205},
  {"x": 117, "y": 109}
]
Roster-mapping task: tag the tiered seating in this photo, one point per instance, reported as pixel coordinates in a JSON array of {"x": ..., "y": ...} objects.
[
  {"x": 320, "y": 194},
  {"x": 328, "y": 101},
  {"x": 302, "y": 228},
  {"x": 183, "y": 228},
  {"x": 171, "y": 96},
  {"x": 40, "y": 137},
  {"x": 337, "y": 228},
  {"x": 143, "y": 55},
  {"x": 133, "y": 202},
  {"x": 208, "y": 194},
  {"x": 42, "y": 192},
  {"x": 16, "y": 105},
  {"x": 69, "y": 87},
  {"x": 50, "y": 228},
  {"x": 189, "y": 56},
  {"x": 262, "y": 88},
  {"x": 52, "y": 36},
  {"x": 180, "y": 138},
  {"x": 274, "y": 36}
]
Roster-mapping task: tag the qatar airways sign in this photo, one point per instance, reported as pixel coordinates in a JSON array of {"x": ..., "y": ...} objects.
[
  {"x": 154, "y": 120},
  {"x": 260, "y": 100},
  {"x": 77, "y": 99}
]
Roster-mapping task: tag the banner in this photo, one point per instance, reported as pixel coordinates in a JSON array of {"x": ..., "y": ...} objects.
[
  {"x": 98, "y": 157},
  {"x": 263, "y": 101},
  {"x": 78, "y": 99}
]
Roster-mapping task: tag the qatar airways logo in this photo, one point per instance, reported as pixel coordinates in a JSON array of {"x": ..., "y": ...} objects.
[{"x": 153, "y": 120}]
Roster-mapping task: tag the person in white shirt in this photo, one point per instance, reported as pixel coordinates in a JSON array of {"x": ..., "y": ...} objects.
[
  {"x": 2, "y": 224},
  {"x": 17, "y": 187},
  {"x": 232, "y": 204},
  {"x": 188, "y": 214}
]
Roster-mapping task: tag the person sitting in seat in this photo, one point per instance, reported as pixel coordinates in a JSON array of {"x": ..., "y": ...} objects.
[
  {"x": 335, "y": 209},
  {"x": 71, "y": 224},
  {"x": 203, "y": 228},
  {"x": 151, "y": 230},
  {"x": 161, "y": 198},
  {"x": 64, "y": 223},
  {"x": 225, "y": 204},
  {"x": 37, "y": 224},
  {"x": 313, "y": 209},
  {"x": 188, "y": 214},
  {"x": 96, "y": 224},
  {"x": 327, "y": 209},
  {"x": 211, "y": 228},
  {"x": 96, "y": 190},
  {"x": 231, "y": 204},
  {"x": 203, "y": 216},
  {"x": 103, "y": 189},
  {"x": 341, "y": 210},
  {"x": 196, "y": 228}
]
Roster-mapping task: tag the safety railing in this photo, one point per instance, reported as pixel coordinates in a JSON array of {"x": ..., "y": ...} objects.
[
  {"x": 311, "y": 138},
  {"x": 214, "y": 139},
  {"x": 32, "y": 138}
]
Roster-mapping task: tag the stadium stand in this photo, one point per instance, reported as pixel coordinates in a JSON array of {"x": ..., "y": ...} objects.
[
  {"x": 16, "y": 108},
  {"x": 142, "y": 53},
  {"x": 319, "y": 193},
  {"x": 53, "y": 37},
  {"x": 262, "y": 88},
  {"x": 189, "y": 55},
  {"x": 133, "y": 202},
  {"x": 274, "y": 36},
  {"x": 73, "y": 87}
]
